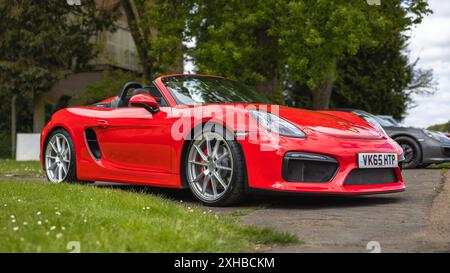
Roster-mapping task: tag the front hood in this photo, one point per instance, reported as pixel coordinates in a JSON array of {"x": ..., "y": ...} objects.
[{"x": 328, "y": 124}]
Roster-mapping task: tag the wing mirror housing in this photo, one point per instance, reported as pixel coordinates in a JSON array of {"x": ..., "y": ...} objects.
[{"x": 146, "y": 101}]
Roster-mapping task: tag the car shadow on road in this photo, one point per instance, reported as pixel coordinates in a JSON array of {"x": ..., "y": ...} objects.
[
  {"x": 323, "y": 202},
  {"x": 275, "y": 201}
]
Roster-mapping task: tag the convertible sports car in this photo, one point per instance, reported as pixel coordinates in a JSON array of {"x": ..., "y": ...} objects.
[{"x": 219, "y": 139}]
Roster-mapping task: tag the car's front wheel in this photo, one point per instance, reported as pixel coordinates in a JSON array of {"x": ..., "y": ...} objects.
[
  {"x": 215, "y": 169},
  {"x": 411, "y": 151},
  {"x": 59, "y": 157}
]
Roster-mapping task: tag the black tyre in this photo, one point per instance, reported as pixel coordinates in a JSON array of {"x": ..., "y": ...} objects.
[
  {"x": 411, "y": 151},
  {"x": 60, "y": 158},
  {"x": 214, "y": 168}
]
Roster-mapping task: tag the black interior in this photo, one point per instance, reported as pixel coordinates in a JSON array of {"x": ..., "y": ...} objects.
[
  {"x": 136, "y": 89},
  {"x": 124, "y": 97}
]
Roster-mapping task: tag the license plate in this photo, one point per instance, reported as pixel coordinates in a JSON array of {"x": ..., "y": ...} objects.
[{"x": 377, "y": 160}]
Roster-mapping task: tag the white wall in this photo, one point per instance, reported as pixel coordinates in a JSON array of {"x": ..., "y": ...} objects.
[{"x": 27, "y": 147}]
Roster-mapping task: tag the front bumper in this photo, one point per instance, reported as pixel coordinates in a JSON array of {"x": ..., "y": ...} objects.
[
  {"x": 264, "y": 162},
  {"x": 434, "y": 151}
]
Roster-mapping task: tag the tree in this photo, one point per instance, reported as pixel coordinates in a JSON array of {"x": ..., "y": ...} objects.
[
  {"x": 380, "y": 79},
  {"x": 112, "y": 80},
  {"x": 374, "y": 80},
  {"x": 318, "y": 34},
  {"x": 272, "y": 43},
  {"x": 23, "y": 116},
  {"x": 334, "y": 31},
  {"x": 42, "y": 42},
  {"x": 168, "y": 20},
  {"x": 157, "y": 28},
  {"x": 265, "y": 42},
  {"x": 239, "y": 39},
  {"x": 140, "y": 33},
  {"x": 422, "y": 81},
  {"x": 445, "y": 127}
]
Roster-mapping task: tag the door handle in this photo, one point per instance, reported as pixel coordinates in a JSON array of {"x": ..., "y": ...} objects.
[{"x": 102, "y": 123}]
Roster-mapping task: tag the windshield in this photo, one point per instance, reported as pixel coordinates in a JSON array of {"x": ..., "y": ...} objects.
[
  {"x": 390, "y": 120},
  {"x": 378, "y": 123},
  {"x": 385, "y": 122},
  {"x": 193, "y": 90}
]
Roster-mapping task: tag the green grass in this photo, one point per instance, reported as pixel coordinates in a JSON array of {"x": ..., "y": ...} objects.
[
  {"x": 9, "y": 167},
  {"x": 42, "y": 217},
  {"x": 444, "y": 165}
]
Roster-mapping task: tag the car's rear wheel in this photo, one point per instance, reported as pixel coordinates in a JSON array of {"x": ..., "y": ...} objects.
[
  {"x": 411, "y": 151},
  {"x": 214, "y": 169},
  {"x": 59, "y": 157}
]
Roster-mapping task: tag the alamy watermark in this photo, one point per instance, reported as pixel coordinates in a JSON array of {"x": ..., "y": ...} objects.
[
  {"x": 74, "y": 2},
  {"x": 192, "y": 122},
  {"x": 74, "y": 247},
  {"x": 373, "y": 2},
  {"x": 373, "y": 247}
]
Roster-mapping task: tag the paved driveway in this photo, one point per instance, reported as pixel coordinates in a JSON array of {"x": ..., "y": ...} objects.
[{"x": 417, "y": 220}]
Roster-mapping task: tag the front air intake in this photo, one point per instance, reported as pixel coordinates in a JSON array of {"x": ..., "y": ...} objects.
[
  {"x": 92, "y": 143},
  {"x": 308, "y": 167},
  {"x": 371, "y": 177},
  {"x": 446, "y": 151}
]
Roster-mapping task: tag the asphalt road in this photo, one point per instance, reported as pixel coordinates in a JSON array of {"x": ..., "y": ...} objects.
[{"x": 417, "y": 220}]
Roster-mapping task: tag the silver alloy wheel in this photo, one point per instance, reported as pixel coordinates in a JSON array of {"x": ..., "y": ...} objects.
[
  {"x": 210, "y": 166},
  {"x": 57, "y": 158}
]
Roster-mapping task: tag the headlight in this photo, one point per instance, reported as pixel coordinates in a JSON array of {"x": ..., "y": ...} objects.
[
  {"x": 275, "y": 124},
  {"x": 436, "y": 135}
]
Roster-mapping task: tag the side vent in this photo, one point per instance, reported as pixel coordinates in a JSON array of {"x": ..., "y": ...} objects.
[{"x": 92, "y": 142}]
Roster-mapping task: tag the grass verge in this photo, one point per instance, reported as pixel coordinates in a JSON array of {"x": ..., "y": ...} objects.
[
  {"x": 9, "y": 167},
  {"x": 42, "y": 217},
  {"x": 443, "y": 165}
]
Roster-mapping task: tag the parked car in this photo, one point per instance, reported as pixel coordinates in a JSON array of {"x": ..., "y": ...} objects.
[
  {"x": 421, "y": 147},
  {"x": 221, "y": 140},
  {"x": 389, "y": 119}
]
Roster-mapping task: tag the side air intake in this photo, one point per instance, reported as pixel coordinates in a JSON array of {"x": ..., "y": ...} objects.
[{"x": 92, "y": 142}]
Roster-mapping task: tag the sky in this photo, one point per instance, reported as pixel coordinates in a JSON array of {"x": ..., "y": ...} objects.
[{"x": 430, "y": 42}]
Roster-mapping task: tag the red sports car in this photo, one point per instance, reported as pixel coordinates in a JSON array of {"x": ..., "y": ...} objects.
[{"x": 221, "y": 140}]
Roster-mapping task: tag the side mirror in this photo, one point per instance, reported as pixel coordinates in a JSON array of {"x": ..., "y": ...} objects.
[{"x": 146, "y": 101}]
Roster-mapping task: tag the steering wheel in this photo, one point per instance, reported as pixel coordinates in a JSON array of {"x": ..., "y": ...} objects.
[{"x": 123, "y": 102}]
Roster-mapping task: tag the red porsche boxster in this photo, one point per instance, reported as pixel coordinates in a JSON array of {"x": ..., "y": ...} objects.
[{"x": 221, "y": 140}]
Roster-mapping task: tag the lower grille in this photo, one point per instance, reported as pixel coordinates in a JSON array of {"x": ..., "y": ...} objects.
[
  {"x": 371, "y": 177},
  {"x": 307, "y": 167}
]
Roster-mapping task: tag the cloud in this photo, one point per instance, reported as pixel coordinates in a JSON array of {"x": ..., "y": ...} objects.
[{"x": 430, "y": 42}]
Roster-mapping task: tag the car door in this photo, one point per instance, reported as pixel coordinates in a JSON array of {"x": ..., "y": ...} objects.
[{"x": 132, "y": 138}]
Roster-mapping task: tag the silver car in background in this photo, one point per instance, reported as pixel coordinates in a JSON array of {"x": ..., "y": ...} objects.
[
  {"x": 421, "y": 147},
  {"x": 389, "y": 119}
]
